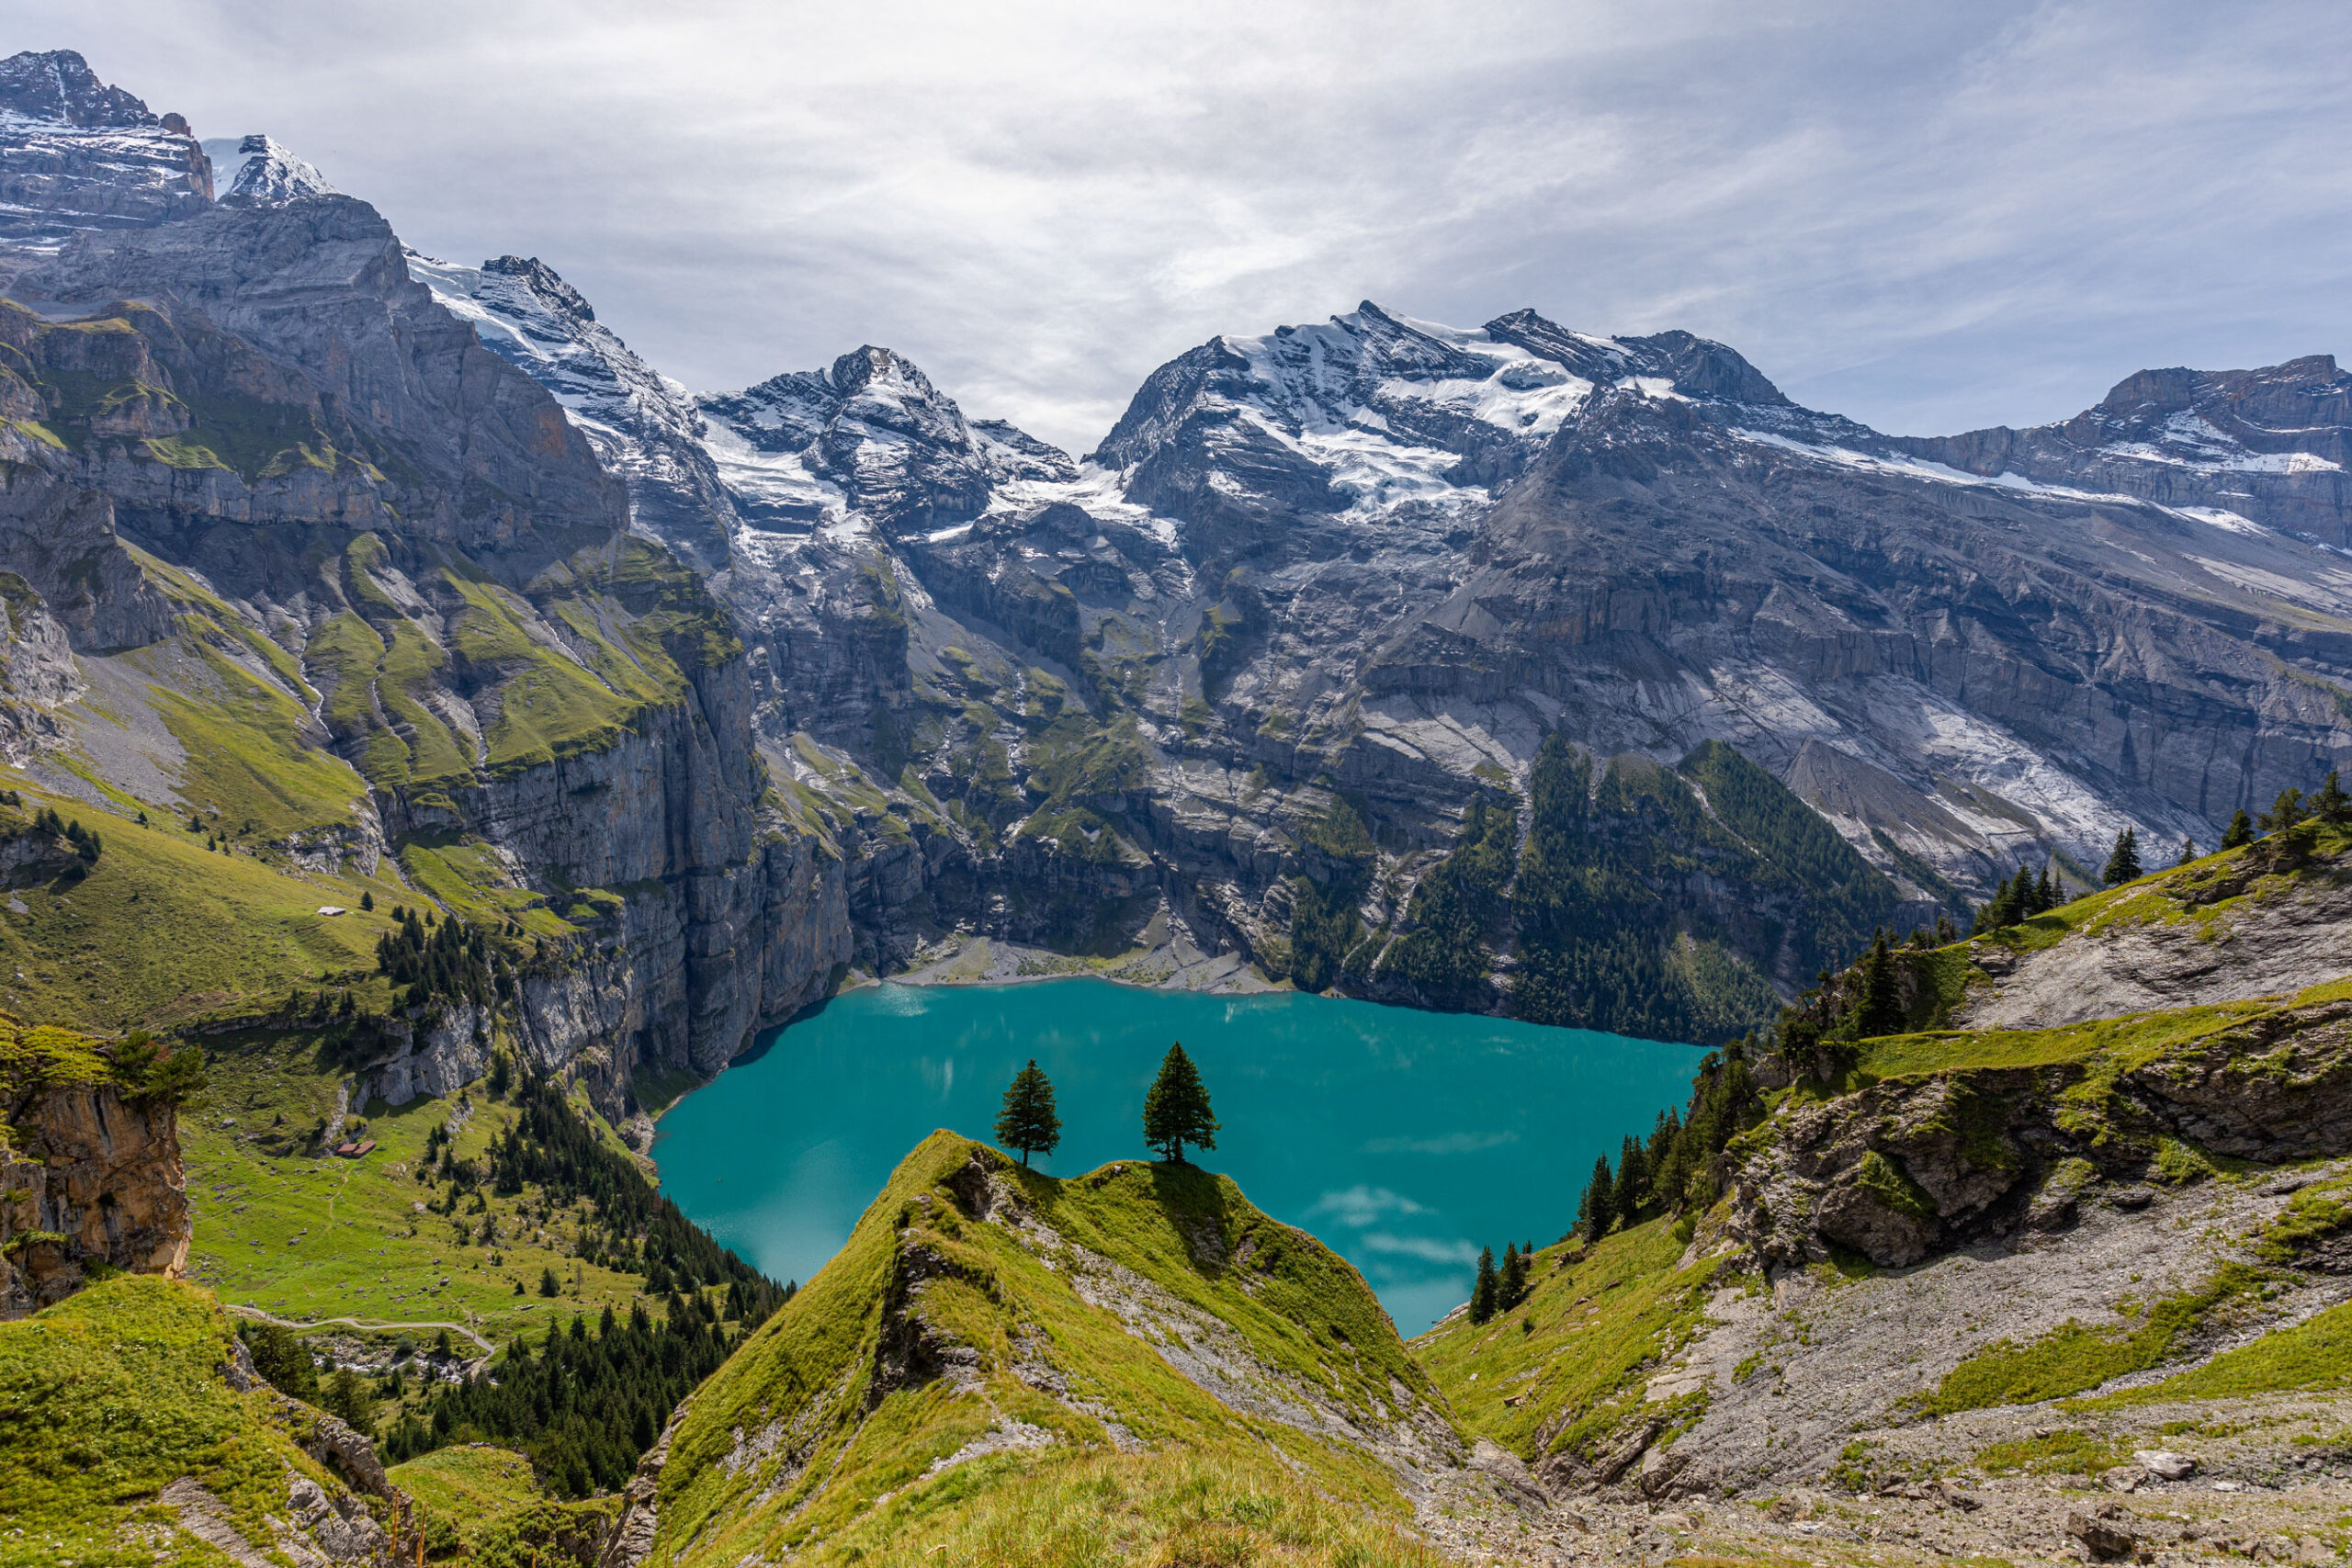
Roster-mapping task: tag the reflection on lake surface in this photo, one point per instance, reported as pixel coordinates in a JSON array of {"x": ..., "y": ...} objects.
[{"x": 1405, "y": 1140}]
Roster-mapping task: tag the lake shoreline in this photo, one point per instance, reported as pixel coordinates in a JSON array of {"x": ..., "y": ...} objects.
[{"x": 1165, "y": 961}]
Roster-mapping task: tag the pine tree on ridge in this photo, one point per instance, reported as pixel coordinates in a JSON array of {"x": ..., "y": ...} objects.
[
  {"x": 1028, "y": 1121},
  {"x": 1176, "y": 1111},
  {"x": 2123, "y": 861}
]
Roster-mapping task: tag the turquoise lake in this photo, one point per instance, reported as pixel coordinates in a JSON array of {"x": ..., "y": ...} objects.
[{"x": 1405, "y": 1140}]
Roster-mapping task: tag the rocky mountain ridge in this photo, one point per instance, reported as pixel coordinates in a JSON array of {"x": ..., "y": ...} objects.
[
  {"x": 303, "y": 557},
  {"x": 1317, "y": 595},
  {"x": 1386, "y": 558}
]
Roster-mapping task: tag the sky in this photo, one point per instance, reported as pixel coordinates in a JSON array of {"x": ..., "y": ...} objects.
[{"x": 1929, "y": 218}]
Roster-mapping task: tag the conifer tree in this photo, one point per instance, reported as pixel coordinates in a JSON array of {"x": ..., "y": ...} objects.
[
  {"x": 1027, "y": 1121},
  {"x": 2008, "y": 907},
  {"x": 2123, "y": 860},
  {"x": 345, "y": 1397},
  {"x": 2241, "y": 831},
  {"x": 2285, "y": 812},
  {"x": 1662, "y": 1137},
  {"x": 2046, "y": 896},
  {"x": 1512, "y": 1288},
  {"x": 2188, "y": 851},
  {"x": 1881, "y": 1006},
  {"x": 1633, "y": 1181},
  {"x": 2331, "y": 804},
  {"x": 1598, "y": 1210},
  {"x": 1176, "y": 1111},
  {"x": 1482, "y": 1295}
]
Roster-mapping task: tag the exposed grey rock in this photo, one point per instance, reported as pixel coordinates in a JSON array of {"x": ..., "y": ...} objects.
[
  {"x": 320, "y": 284},
  {"x": 643, "y": 425},
  {"x": 870, "y": 434},
  {"x": 2102, "y": 1531},
  {"x": 78, "y": 155}
]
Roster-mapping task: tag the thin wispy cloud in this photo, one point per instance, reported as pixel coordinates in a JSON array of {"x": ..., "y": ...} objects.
[
  {"x": 1929, "y": 217},
  {"x": 1427, "y": 1248},
  {"x": 1443, "y": 1144},
  {"x": 1360, "y": 1206}
]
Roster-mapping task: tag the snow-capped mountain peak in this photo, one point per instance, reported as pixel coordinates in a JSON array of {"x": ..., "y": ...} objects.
[
  {"x": 60, "y": 88},
  {"x": 643, "y": 425},
  {"x": 255, "y": 169},
  {"x": 76, "y": 154},
  {"x": 868, "y": 433}
]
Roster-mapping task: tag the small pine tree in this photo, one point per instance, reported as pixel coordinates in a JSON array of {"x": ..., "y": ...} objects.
[
  {"x": 1633, "y": 1181},
  {"x": 2008, "y": 907},
  {"x": 1483, "y": 1293},
  {"x": 1881, "y": 1011},
  {"x": 347, "y": 1397},
  {"x": 548, "y": 1284},
  {"x": 2046, "y": 894},
  {"x": 1176, "y": 1110},
  {"x": 367, "y": 900},
  {"x": 2285, "y": 812},
  {"x": 1668, "y": 1128},
  {"x": 2331, "y": 804},
  {"x": 2188, "y": 851},
  {"x": 1027, "y": 1121},
  {"x": 1511, "y": 1289},
  {"x": 1597, "y": 1212},
  {"x": 2123, "y": 860},
  {"x": 281, "y": 1359},
  {"x": 2241, "y": 831}
]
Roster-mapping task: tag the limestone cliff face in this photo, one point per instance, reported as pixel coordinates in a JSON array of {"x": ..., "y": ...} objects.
[{"x": 91, "y": 1179}]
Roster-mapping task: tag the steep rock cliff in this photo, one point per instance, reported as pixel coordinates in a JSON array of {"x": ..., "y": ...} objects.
[{"x": 90, "y": 1174}]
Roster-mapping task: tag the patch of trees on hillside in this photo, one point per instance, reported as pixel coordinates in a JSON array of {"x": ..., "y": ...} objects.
[
  {"x": 1643, "y": 909},
  {"x": 583, "y": 1405}
]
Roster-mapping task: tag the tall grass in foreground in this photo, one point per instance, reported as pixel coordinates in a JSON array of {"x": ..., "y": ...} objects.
[{"x": 1106, "y": 1508}]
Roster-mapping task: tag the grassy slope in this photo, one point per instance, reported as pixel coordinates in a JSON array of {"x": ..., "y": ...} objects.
[
  {"x": 303, "y": 1235},
  {"x": 2185, "y": 894},
  {"x": 1605, "y": 1318},
  {"x": 485, "y": 1501},
  {"x": 109, "y": 1396},
  {"x": 163, "y": 931},
  {"x": 1216, "y": 1475}
]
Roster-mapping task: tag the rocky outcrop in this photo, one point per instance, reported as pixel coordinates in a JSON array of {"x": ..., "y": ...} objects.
[
  {"x": 76, "y": 154},
  {"x": 87, "y": 1179},
  {"x": 1913, "y": 1167},
  {"x": 2185, "y": 951},
  {"x": 319, "y": 1528}
]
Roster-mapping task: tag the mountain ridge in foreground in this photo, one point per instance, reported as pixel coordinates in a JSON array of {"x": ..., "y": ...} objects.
[{"x": 2018, "y": 1291}]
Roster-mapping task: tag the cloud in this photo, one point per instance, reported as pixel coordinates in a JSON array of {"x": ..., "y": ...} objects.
[
  {"x": 1449, "y": 1143},
  {"x": 1360, "y": 1206},
  {"x": 1427, "y": 1248},
  {"x": 1929, "y": 218}
]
